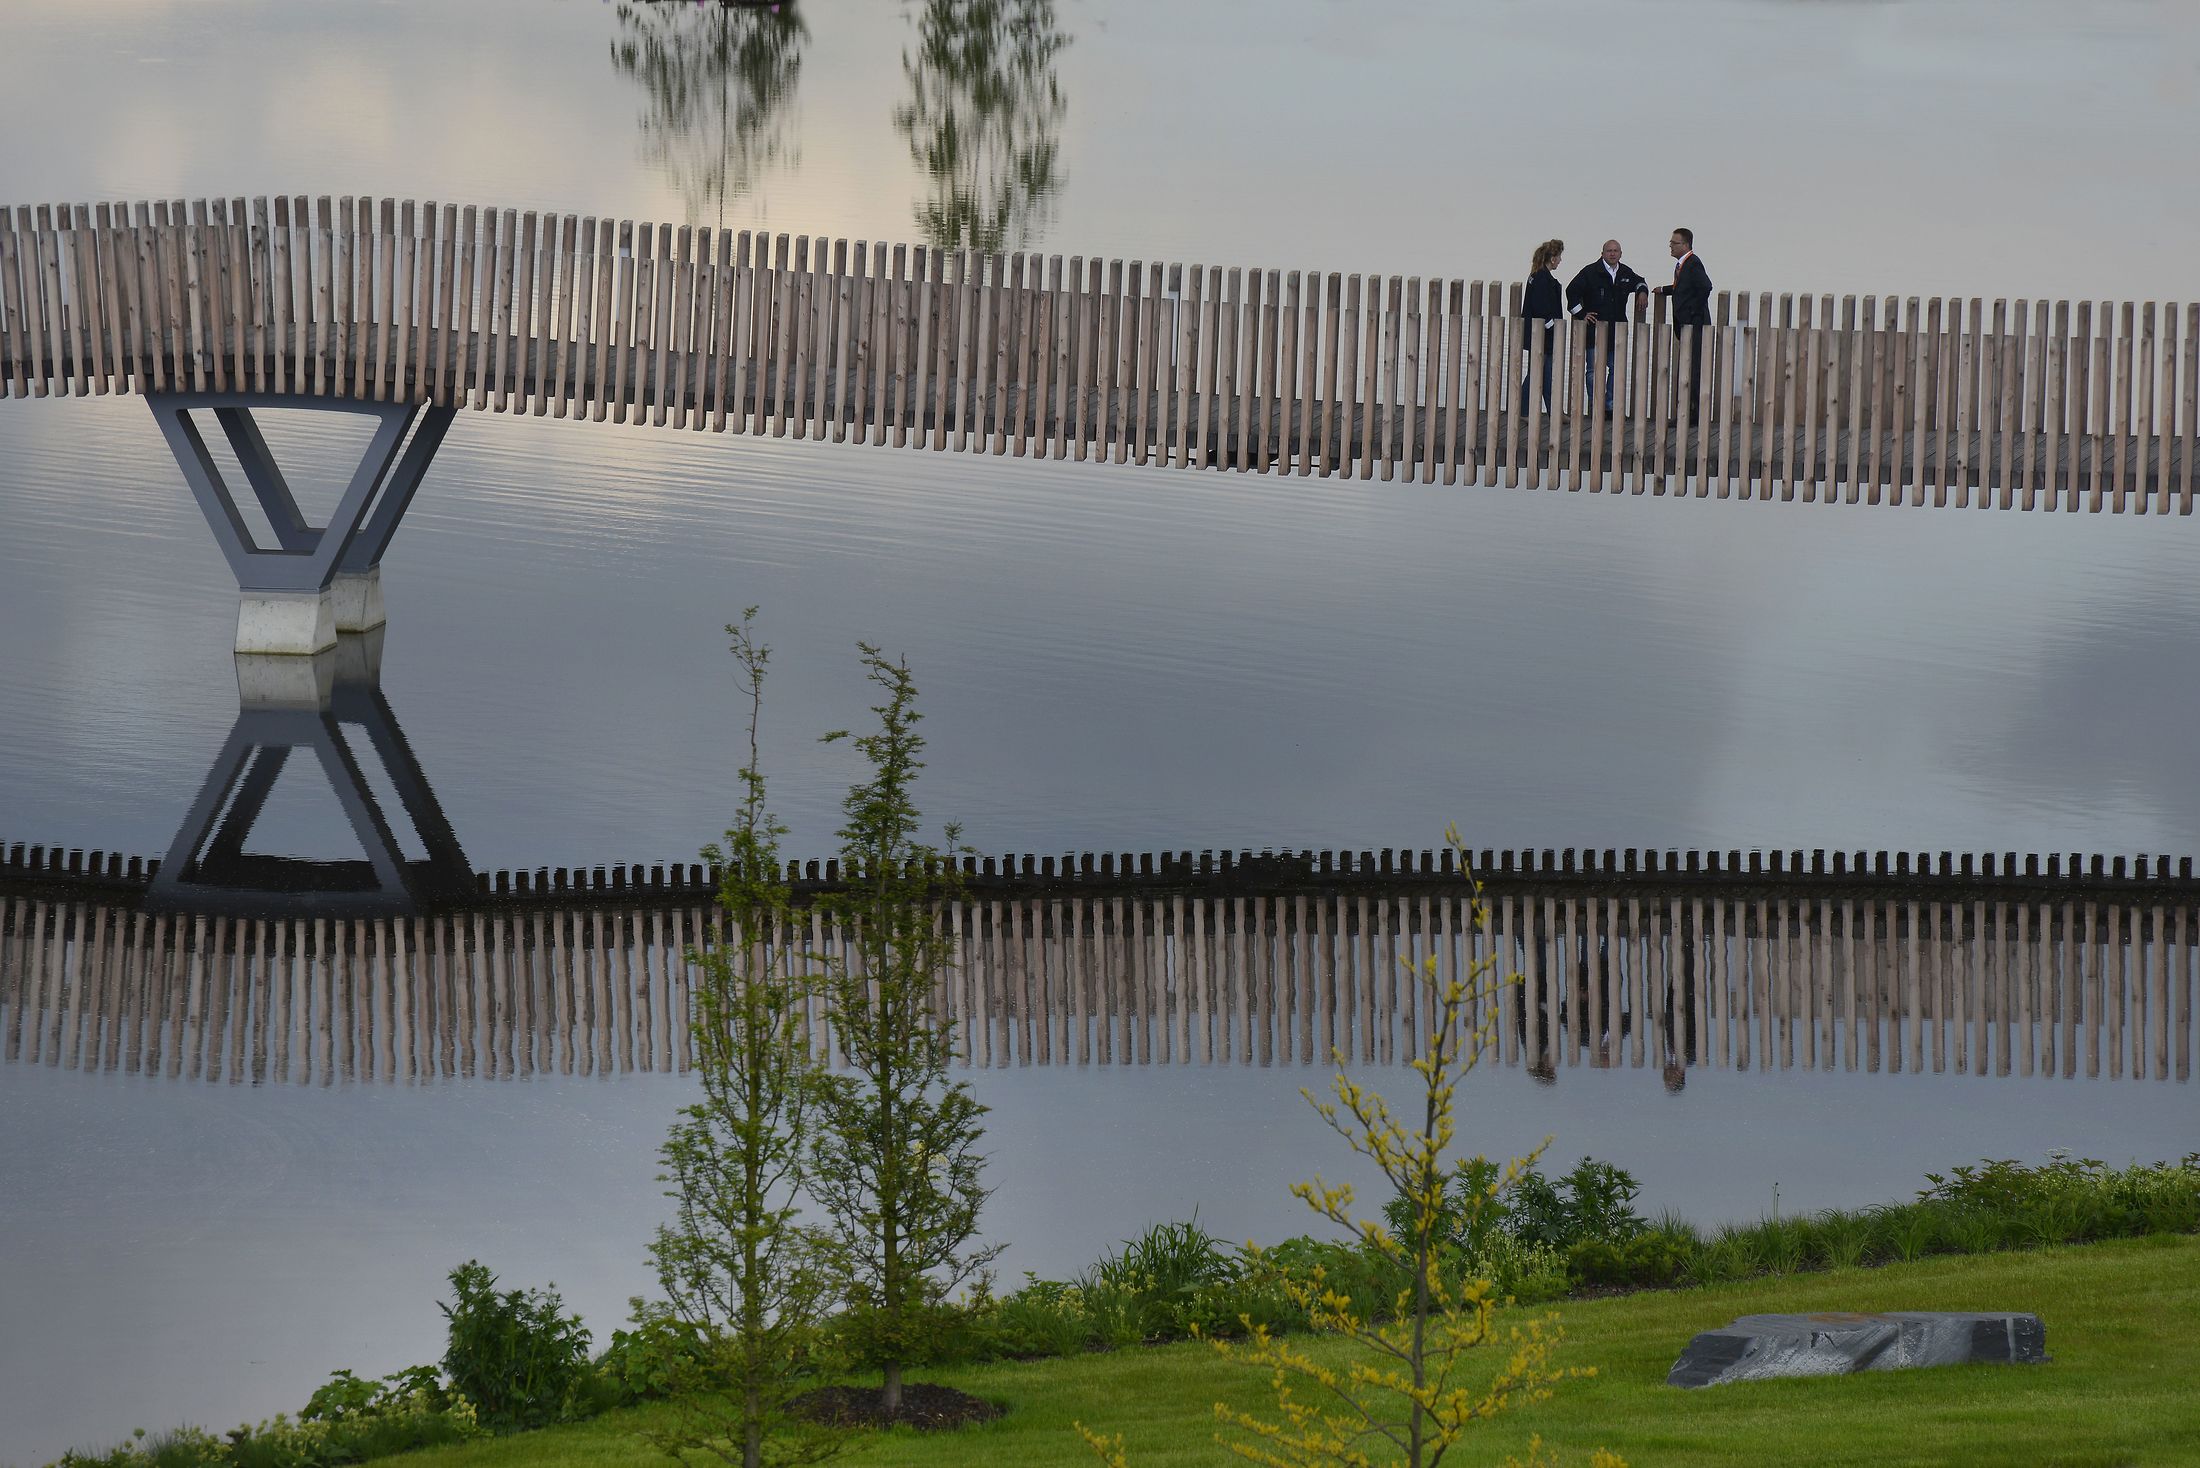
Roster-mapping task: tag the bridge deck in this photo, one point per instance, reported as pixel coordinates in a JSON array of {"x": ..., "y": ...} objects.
[{"x": 2016, "y": 405}]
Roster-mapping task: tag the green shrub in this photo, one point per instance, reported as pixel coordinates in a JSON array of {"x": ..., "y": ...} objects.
[
  {"x": 1526, "y": 1273},
  {"x": 1163, "y": 1271},
  {"x": 1907, "y": 1231},
  {"x": 1362, "y": 1275},
  {"x": 1783, "y": 1245},
  {"x": 1219, "y": 1311},
  {"x": 1474, "y": 1211},
  {"x": 182, "y": 1447},
  {"x": 1158, "y": 1284},
  {"x": 1115, "y": 1316},
  {"x": 652, "y": 1360},
  {"x": 1649, "y": 1260},
  {"x": 1723, "y": 1259},
  {"x": 516, "y": 1356},
  {"x": 345, "y": 1399},
  {"x": 1593, "y": 1201},
  {"x": 353, "y": 1420},
  {"x": 1044, "y": 1318},
  {"x": 1844, "y": 1239},
  {"x": 2172, "y": 1215},
  {"x": 2064, "y": 1199}
]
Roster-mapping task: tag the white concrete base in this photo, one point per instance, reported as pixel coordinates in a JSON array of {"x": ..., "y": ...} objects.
[
  {"x": 358, "y": 599},
  {"x": 294, "y": 623}
]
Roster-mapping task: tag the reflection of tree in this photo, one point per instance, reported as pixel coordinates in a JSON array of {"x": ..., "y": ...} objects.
[
  {"x": 719, "y": 78},
  {"x": 982, "y": 118}
]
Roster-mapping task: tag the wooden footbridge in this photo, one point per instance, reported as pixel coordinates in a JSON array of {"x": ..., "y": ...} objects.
[
  {"x": 1884, "y": 399},
  {"x": 1651, "y": 959}
]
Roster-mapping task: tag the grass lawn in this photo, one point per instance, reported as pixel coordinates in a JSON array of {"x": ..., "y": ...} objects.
[{"x": 2123, "y": 1326}]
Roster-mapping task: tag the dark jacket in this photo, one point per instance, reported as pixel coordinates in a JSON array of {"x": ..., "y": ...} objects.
[
  {"x": 1544, "y": 301},
  {"x": 1610, "y": 298},
  {"x": 1692, "y": 293}
]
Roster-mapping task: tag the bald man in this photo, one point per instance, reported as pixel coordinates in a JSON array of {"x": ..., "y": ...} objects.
[{"x": 1602, "y": 291}]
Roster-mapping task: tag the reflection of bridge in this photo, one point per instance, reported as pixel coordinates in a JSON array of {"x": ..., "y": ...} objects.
[
  {"x": 403, "y": 308},
  {"x": 1653, "y": 961}
]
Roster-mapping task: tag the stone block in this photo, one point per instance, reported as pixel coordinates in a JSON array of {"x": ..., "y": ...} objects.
[{"x": 1837, "y": 1342}]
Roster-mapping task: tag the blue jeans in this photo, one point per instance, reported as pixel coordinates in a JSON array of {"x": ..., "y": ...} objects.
[
  {"x": 1589, "y": 363},
  {"x": 1526, "y": 372}
]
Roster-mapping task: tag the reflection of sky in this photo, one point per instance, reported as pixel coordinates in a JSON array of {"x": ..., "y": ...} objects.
[
  {"x": 1108, "y": 657},
  {"x": 1126, "y": 659},
  {"x": 2011, "y": 147}
]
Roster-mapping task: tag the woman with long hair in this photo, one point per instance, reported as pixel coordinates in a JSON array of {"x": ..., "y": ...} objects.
[{"x": 1545, "y": 301}]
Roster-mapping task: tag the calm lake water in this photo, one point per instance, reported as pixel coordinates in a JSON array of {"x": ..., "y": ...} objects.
[{"x": 1108, "y": 658}]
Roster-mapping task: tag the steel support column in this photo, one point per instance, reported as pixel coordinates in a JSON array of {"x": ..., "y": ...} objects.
[{"x": 314, "y": 581}]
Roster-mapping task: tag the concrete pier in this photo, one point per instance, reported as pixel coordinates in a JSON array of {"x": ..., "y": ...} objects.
[
  {"x": 357, "y": 598},
  {"x": 298, "y": 623}
]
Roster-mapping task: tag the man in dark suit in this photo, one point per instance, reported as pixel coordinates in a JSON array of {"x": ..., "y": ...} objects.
[
  {"x": 1601, "y": 292},
  {"x": 1691, "y": 293}
]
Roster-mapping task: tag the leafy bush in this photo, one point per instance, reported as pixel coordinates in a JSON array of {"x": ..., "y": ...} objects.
[
  {"x": 1527, "y": 1273},
  {"x": 1160, "y": 1274},
  {"x": 516, "y": 1355},
  {"x": 1726, "y": 1257},
  {"x": 184, "y": 1447},
  {"x": 919, "y": 1334},
  {"x": 348, "y": 1420},
  {"x": 1044, "y": 1318},
  {"x": 1251, "y": 1302},
  {"x": 1474, "y": 1211},
  {"x": 1115, "y": 1316},
  {"x": 1906, "y": 1231},
  {"x": 658, "y": 1356},
  {"x": 1646, "y": 1261},
  {"x": 1594, "y": 1201},
  {"x": 2064, "y": 1200},
  {"x": 1362, "y": 1275},
  {"x": 1844, "y": 1239},
  {"x": 1783, "y": 1245},
  {"x": 403, "y": 1427}
]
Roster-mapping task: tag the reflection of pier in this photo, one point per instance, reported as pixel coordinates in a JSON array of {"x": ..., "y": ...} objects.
[
  {"x": 1665, "y": 965},
  {"x": 289, "y": 706}
]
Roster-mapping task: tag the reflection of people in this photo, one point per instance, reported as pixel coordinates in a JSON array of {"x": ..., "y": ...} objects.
[
  {"x": 1600, "y": 294},
  {"x": 1691, "y": 293},
  {"x": 1543, "y": 302},
  {"x": 1678, "y": 1022},
  {"x": 1609, "y": 1000}
]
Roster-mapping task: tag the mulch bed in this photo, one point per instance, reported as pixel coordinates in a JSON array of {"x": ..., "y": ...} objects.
[{"x": 923, "y": 1406}]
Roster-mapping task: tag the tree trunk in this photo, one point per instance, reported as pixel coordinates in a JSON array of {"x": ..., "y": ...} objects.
[{"x": 889, "y": 1396}]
